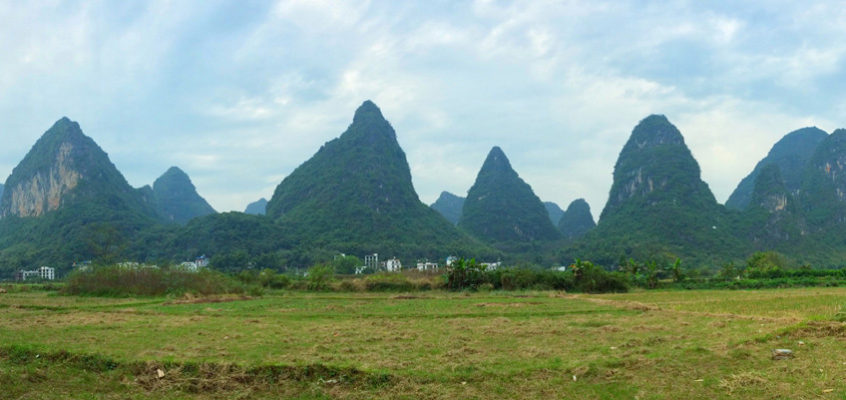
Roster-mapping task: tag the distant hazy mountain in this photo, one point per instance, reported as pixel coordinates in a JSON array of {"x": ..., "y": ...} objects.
[
  {"x": 177, "y": 199},
  {"x": 449, "y": 205},
  {"x": 577, "y": 220},
  {"x": 555, "y": 212},
  {"x": 355, "y": 195},
  {"x": 791, "y": 155},
  {"x": 501, "y": 208},
  {"x": 258, "y": 207},
  {"x": 1, "y": 190}
]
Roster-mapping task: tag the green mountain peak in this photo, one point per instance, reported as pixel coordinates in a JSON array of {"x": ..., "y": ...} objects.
[
  {"x": 555, "y": 212},
  {"x": 177, "y": 199},
  {"x": 450, "y": 206},
  {"x": 502, "y": 209},
  {"x": 355, "y": 195},
  {"x": 258, "y": 207},
  {"x": 577, "y": 220},
  {"x": 64, "y": 166},
  {"x": 658, "y": 203},
  {"x": 791, "y": 155}
]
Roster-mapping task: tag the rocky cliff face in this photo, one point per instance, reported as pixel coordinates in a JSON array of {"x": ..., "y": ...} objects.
[
  {"x": 52, "y": 169},
  {"x": 44, "y": 191},
  {"x": 771, "y": 217}
]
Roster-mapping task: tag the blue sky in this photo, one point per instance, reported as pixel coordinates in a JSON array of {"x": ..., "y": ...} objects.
[{"x": 239, "y": 93}]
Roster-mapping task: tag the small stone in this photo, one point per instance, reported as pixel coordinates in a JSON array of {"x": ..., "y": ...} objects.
[
  {"x": 782, "y": 354},
  {"x": 159, "y": 373}
]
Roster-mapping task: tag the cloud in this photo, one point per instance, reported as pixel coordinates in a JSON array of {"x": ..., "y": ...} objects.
[{"x": 239, "y": 94}]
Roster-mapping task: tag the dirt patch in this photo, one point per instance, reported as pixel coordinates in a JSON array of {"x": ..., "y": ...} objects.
[
  {"x": 406, "y": 297},
  {"x": 820, "y": 329},
  {"x": 188, "y": 299},
  {"x": 628, "y": 305},
  {"x": 743, "y": 380},
  {"x": 528, "y": 303}
]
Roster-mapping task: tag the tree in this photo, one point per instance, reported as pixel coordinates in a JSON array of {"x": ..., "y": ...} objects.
[
  {"x": 105, "y": 243},
  {"x": 678, "y": 275},
  {"x": 346, "y": 265}
]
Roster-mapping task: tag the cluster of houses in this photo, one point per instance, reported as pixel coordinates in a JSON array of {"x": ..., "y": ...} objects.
[
  {"x": 372, "y": 264},
  {"x": 41, "y": 273},
  {"x": 46, "y": 273}
]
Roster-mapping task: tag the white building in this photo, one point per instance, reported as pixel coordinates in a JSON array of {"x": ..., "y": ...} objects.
[
  {"x": 393, "y": 265},
  {"x": 372, "y": 261},
  {"x": 450, "y": 260},
  {"x": 492, "y": 266},
  {"x": 44, "y": 272},
  {"x": 47, "y": 273},
  {"x": 427, "y": 266},
  {"x": 189, "y": 266}
]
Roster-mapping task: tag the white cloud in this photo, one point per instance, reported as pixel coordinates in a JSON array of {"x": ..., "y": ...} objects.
[{"x": 240, "y": 94}]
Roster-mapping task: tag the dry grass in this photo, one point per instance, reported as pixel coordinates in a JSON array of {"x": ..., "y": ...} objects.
[{"x": 444, "y": 345}]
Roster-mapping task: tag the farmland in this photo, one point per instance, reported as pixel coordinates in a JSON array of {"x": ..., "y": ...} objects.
[{"x": 288, "y": 344}]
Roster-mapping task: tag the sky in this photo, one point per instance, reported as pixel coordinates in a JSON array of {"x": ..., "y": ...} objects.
[{"x": 239, "y": 93}]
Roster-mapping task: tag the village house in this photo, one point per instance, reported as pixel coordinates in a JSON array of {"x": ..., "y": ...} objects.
[
  {"x": 371, "y": 261},
  {"x": 427, "y": 266},
  {"x": 393, "y": 265},
  {"x": 491, "y": 266},
  {"x": 44, "y": 272}
]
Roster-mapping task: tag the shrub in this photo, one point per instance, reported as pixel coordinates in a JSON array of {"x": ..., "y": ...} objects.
[
  {"x": 148, "y": 281},
  {"x": 320, "y": 276},
  {"x": 388, "y": 283},
  {"x": 593, "y": 279},
  {"x": 465, "y": 274}
]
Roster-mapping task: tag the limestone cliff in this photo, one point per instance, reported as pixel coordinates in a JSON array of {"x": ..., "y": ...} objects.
[{"x": 65, "y": 166}]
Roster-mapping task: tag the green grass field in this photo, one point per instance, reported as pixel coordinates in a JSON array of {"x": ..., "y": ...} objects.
[{"x": 645, "y": 345}]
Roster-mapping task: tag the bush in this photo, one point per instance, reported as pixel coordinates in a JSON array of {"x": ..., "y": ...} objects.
[
  {"x": 590, "y": 278},
  {"x": 320, "y": 276},
  {"x": 388, "y": 283},
  {"x": 114, "y": 281},
  {"x": 465, "y": 274}
]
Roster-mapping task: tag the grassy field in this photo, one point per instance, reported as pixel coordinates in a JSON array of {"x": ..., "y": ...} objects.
[{"x": 644, "y": 345}]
